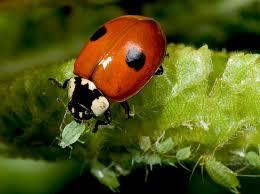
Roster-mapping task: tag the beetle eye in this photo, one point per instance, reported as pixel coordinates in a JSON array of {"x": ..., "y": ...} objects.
[{"x": 88, "y": 114}]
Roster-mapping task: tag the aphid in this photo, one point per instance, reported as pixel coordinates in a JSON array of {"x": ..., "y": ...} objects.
[
  {"x": 221, "y": 174},
  {"x": 152, "y": 159},
  {"x": 145, "y": 143},
  {"x": 105, "y": 175},
  {"x": 71, "y": 133},
  {"x": 253, "y": 159},
  {"x": 164, "y": 146},
  {"x": 183, "y": 154}
]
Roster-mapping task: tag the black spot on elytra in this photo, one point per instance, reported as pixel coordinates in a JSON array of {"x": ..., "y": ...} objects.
[
  {"x": 135, "y": 58},
  {"x": 99, "y": 33}
]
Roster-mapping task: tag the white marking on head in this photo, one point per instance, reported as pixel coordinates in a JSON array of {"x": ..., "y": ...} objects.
[
  {"x": 73, "y": 110},
  {"x": 71, "y": 86},
  {"x": 91, "y": 85},
  {"x": 80, "y": 115},
  {"x": 105, "y": 62},
  {"x": 99, "y": 105}
]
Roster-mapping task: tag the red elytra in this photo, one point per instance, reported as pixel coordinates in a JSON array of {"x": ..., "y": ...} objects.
[{"x": 122, "y": 56}]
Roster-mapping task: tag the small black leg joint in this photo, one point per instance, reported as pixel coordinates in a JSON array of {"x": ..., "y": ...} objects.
[
  {"x": 125, "y": 105},
  {"x": 107, "y": 120},
  {"x": 159, "y": 71},
  {"x": 79, "y": 121},
  {"x": 58, "y": 84}
]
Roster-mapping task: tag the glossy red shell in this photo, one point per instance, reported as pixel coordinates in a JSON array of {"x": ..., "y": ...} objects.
[{"x": 103, "y": 58}]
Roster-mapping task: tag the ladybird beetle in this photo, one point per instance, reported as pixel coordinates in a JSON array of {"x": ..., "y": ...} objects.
[{"x": 116, "y": 63}]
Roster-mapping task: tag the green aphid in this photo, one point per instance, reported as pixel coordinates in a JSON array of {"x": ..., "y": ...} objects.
[
  {"x": 165, "y": 146},
  {"x": 183, "y": 153},
  {"x": 253, "y": 159},
  {"x": 138, "y": 158},
  {"x": 145, "y": 143},
  {"x": 71, "y": 133},
  {"x": 152, "y": 159},
  {"x": 105, "y": 175},
  {"x": 221, "y": 174}
]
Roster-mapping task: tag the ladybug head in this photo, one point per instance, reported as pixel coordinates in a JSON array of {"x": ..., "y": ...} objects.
[{"x": 86, "y": 101}]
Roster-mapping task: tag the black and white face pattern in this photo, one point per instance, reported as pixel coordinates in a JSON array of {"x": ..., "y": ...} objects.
[{"x": 86, "y": 101}]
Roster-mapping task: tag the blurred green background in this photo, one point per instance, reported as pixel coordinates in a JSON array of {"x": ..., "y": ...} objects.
[{"x": 43, "y": 32}]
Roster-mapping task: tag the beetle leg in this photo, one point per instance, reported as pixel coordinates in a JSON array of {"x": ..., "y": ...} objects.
[
  {"x": 125, "y": 105},
  {"x": 58, "y": 84},
  {"x": 107, "y": 120},
  {"x": 159, "y": 70}
]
